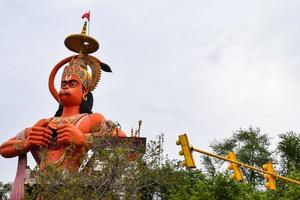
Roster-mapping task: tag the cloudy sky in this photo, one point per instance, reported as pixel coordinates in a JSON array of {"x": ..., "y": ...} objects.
[{"x": 206, "y": 68}]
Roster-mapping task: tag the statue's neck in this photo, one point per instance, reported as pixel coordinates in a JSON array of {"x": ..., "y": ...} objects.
[{"x": 70, "y": 111}]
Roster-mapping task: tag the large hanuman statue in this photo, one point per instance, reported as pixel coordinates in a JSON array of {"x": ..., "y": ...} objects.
[{"x": 73, "y": 121}]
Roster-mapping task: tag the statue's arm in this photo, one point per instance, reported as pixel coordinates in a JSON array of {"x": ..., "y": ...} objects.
[
  {"x": 10, "y": 148},
  {"x": 26, "y": 140}
]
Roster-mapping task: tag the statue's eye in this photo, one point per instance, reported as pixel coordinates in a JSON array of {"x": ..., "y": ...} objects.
[
  {"x": 63, "y": 84},
  {"x": 73, "y": 84}
]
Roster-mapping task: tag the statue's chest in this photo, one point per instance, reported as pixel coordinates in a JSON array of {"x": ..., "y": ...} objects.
[{"x": 54, "y": 122}]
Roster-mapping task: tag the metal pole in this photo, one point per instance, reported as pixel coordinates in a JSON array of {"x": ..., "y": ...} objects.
[
  {"x": 243, "y": 164},
  {"x": 89, "y": 22}
]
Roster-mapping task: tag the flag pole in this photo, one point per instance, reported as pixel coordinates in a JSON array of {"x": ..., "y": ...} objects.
[{"x": 89, "y": 21}]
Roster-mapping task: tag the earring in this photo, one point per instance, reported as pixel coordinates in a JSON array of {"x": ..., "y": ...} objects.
[{"x": 84, "y": 97}]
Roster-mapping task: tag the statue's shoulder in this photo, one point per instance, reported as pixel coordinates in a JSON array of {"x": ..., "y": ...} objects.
[
  {"x": 109, "y": 126},
  {"x": 42, "y": 122},
  {"x": 97, "y": 118}
]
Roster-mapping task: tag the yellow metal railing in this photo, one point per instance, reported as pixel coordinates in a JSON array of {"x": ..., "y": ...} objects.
[
  {"x": 269, "y": 173},
  {"x": 244, "y": 165}
]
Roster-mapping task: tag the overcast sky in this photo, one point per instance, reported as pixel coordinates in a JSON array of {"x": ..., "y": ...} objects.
[{"x": 206, "y": 68}]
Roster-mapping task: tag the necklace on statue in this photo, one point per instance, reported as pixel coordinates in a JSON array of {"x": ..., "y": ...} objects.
[{"x": 56, "y": 121}]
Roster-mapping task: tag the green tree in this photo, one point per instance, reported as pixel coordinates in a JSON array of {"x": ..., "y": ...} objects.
[
  {"x": 292, "y": 191},
  {"x": 4, "y": 190},
  {"x": 115, "y": 176},
  {"x": 147, "y": 177},
  {"x": 195, "y": 185},
  {"x": 250, "y": 146},
  {"x": 289, "y": 150}
]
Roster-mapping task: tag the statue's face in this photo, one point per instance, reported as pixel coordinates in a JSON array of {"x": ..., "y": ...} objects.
[{"x": 71, "y": 91}]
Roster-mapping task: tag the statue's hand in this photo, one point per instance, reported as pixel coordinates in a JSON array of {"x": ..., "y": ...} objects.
[
  {"x": 67, "y": 134},
  {"x": 36, "y": 136}
]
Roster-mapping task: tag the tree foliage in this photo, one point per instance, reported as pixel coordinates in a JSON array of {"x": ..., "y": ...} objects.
[
  {"x": 111, "y": 174},
  {"x": 251, "y": 147},
  {"x": 4, "y": 190},
  {"x": 289, "y": 150}
]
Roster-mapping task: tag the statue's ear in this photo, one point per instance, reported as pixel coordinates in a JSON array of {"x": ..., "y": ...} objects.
[{"x": 85, "y": 91}]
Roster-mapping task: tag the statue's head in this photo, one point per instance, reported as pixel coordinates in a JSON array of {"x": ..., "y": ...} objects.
[{"x": 75, "y": 83}]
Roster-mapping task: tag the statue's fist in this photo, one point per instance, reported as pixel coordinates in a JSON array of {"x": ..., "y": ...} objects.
[
  {"x": 67, "y": 134},
  {"x": 36, "y": 136}
]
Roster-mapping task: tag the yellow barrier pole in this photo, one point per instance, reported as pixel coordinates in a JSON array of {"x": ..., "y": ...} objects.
[{"x": 245, "y": 165}]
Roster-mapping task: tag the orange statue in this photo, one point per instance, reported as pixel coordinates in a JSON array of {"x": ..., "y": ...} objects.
[{"x": 74, "y": 120}]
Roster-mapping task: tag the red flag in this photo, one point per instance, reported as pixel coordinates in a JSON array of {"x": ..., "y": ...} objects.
[{"x": 86, "y": 15}]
